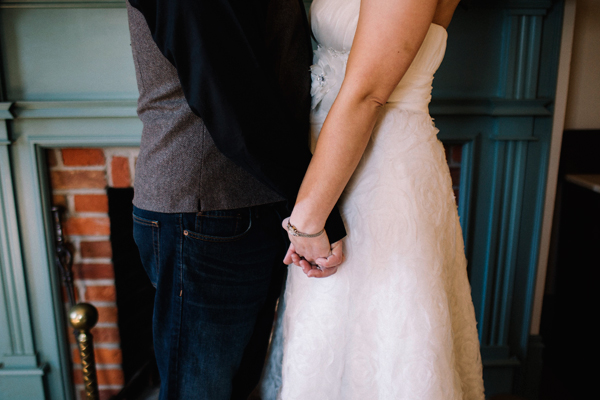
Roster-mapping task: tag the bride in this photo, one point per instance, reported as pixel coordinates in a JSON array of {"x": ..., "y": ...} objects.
[{"x": 396, "y": 319}]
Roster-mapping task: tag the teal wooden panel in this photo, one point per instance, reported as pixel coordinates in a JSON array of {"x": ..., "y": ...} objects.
[
  {"x": 30, "y": 137},
  {"x": 16, "y": 387},
  {"x": 46, "y": 304},
  {"x": 18, "y": 359},
  {"x": 472, "y": 65},
  {"x": 67, "y": 54},
  {"x": 62, "y": 4}
]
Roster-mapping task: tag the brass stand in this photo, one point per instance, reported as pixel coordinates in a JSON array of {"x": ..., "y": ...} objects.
[{"x": 84, "y": 317}]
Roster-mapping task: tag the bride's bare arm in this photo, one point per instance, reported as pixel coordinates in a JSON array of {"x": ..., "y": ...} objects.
[{"x": 388, "y": 36}]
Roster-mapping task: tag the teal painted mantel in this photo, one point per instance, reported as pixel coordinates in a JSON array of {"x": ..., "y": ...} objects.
[{"x": 68, "y": 81}]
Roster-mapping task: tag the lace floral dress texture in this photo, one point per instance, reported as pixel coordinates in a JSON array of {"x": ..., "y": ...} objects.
[{"x": 397, "y": 320}]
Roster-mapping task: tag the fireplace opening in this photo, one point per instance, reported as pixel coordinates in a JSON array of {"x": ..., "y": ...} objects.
[{"x": 135, "y": 297}]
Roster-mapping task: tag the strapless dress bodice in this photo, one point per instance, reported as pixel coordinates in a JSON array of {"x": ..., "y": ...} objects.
[{"x": 334, "y": 25}]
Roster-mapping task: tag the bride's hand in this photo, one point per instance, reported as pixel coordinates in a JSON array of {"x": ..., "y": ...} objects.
[
  {"x": 323, "y": 267},
  {"x": 309, "y": 248},
  {"x": 315, "y": 256}
]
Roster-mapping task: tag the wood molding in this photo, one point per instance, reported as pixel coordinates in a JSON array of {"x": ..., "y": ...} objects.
[
  {"x": 491, "y": 106},
  {"x": 75, "y": 109},
  {"x": 63, "y": 4},
  {"x": 128, "y": 108}
]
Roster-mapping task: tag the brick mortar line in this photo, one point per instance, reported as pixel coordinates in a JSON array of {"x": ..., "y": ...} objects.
[
  {"x": 95, "y": 282},
  {"x": 66, "y": 192},
  {"x": 101, "y": 167},
  {"x": 107, "y": 325},
  {"x": 96, "y": 304},
  {"x": 109, "y": 346},
  {"x": 104, "y": 367},
  {"x": 81, "y": 386},
  {"x": 104, "y": 303},
  {"x": 88, "y": 214},
  {"x": 109, "y": 173},
  {"x": 89, "y": 238},
  {"x": 95, "y": 260}
]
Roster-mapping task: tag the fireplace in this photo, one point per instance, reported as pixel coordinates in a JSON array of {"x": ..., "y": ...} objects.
[{"x": 94, "y": 188}]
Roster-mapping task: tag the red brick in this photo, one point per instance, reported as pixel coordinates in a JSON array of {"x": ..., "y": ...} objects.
[
  {"x": 91, "y": 203},
  {"x": 103, "y": 356},
  {"x": 96, "y": 249},
  {"x": 78, "y": 179},
  {"x": 59, "y": 200},
  {"x": 107, "y": 314},
  {"x": 100, "y": 293},
  {"x": 83, "y": 157},
  {"x": 107, "y": 394},
  {"x": 106, "y": 335},
  {"x": 457, "y": 153},
  {"x": 113, "y": 376},
  {"x": 121, "y": 176},
  {"x": 87, "y": 226},
  {"x": 51, "y": 158},
  {"x": 93, "y": 271}
]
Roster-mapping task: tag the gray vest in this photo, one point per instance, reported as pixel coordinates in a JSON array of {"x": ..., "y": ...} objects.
[{"x": 179, "y": 168}]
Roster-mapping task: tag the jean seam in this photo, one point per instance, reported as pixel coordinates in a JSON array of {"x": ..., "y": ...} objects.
[
  {"x": 180, "y": 303},
  {"x": 156, "y": 240}
]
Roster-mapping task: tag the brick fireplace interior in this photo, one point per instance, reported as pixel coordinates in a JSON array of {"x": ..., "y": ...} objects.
[{"x": 82, "y": 180}]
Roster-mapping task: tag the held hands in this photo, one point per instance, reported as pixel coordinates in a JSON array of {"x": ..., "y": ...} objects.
[{"x": 316, "y": 257}]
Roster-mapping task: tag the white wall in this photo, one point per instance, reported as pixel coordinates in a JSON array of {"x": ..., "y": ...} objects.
[{"x": 583, "y": 101}]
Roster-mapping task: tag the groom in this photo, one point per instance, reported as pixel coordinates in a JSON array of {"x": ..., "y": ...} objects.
[{"x": 224, "y": 100}]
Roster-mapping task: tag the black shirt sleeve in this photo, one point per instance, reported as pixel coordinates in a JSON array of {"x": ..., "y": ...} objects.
[{"x": 244, "y": 69}]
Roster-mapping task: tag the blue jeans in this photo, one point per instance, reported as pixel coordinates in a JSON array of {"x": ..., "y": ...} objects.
[{"x": 218, "y": 275}]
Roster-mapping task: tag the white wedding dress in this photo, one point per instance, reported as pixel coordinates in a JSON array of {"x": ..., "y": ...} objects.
[{"x": 397, "y": 320}]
